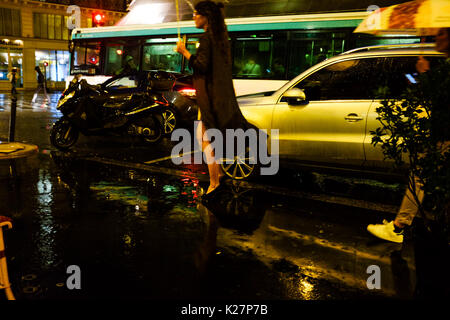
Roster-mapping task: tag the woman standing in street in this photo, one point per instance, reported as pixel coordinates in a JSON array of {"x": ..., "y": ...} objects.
[{"x": 213, "y": 82}]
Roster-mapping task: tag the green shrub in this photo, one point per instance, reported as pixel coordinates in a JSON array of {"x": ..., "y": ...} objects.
[{"x": 413, "y": 132}]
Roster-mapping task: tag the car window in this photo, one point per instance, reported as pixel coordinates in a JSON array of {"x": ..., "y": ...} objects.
[
  {"x": 344, "y": 80},
  {"x": 398, "y": 73},
  {"x": 127, "y": 82}
]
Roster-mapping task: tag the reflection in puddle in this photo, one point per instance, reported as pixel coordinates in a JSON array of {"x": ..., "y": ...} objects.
[
  {"x": 46, "y": 235},
  {"x": 152, "y": 231},
  {"x": 306, "y": 288},
  {"x": 128, "y": 195},
  {"x": 239, "y": 208}
]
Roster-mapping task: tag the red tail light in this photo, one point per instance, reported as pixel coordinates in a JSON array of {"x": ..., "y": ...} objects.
[{"x": 188, "y": 92}]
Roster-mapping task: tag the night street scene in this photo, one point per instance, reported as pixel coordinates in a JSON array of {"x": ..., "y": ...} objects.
[{"x": 252, "y": 151}]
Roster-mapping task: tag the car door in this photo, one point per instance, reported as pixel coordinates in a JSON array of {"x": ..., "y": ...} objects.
[
  {"x": 397, "y": 73},
  {"x": 330, "y": 126}
]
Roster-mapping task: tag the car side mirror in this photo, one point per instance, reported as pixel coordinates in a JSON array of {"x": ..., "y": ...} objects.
[{"x": 295, "y": 97}]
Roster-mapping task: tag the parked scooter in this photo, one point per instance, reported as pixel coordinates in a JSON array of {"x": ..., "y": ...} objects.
[{"x": 86, "y": 109}]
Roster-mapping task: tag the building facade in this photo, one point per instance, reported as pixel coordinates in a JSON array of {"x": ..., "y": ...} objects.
[{"x": 36, "y": 33}]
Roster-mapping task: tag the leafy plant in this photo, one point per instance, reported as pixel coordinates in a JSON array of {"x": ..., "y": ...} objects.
[{"x": 415, "y": 131}]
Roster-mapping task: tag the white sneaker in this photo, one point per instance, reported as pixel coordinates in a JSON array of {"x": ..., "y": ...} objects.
[{"x": 385, "y": 231}]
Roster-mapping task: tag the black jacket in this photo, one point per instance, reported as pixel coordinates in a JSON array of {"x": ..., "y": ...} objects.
[
  {"x": 214, "y": 85},
  {"x": 41, "y": 78}
]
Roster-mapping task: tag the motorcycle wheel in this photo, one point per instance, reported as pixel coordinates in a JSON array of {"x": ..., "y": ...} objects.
[
  {"x": 154, "y": 131},
  {"x": 63, "y": 135}
]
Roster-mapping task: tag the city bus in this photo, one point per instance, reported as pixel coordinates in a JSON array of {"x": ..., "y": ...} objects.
[{"x": 266, "y": 51}]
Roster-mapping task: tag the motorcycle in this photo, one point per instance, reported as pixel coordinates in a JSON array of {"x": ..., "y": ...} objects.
[{"x": 87, "y": 109}]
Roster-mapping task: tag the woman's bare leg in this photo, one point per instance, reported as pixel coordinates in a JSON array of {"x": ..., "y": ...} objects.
[{"x": 214, "y": 169}]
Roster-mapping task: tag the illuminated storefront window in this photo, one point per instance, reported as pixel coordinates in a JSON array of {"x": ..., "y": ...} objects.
[
  {"x": 4, "y": 64},
  {"x": 58, "y": 64},
  {"x": 11, "y": 57}
]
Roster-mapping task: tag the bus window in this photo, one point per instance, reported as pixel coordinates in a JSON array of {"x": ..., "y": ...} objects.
[
  {"x": 310, "y": 48},
  {"x": 192, "y": 45},
  {"x": 79, "y": 56},
  {"x": 259, "y": 56},
  {"x": 86, "y": 58},
  {"x": 161, "y": 56},
  {"x": 121, "y": 58},
  {"x": 113, "y": 59}
]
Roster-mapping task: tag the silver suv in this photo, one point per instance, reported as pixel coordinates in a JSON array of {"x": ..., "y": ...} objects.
[{"x": 325, "y": 114}]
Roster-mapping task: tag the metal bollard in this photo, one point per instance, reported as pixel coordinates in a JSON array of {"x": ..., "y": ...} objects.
[
  {"x": 12, "y": 119},
  {"x": 4, "y": 280}
]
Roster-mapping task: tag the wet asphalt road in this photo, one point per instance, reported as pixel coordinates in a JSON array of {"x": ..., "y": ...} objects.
[{"x": 136, "y": 230}]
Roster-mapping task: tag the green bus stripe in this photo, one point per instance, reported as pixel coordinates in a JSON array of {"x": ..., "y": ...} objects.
[
  {"x": 295, "y": 25},
  {"x": 306, "y": 25}
]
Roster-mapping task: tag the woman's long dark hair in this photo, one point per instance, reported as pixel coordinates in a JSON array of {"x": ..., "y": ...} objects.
[{"x": 216, "y": 24}]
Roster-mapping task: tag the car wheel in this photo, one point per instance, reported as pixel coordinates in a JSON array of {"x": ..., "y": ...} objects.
[{"x": 243, "y": 166}]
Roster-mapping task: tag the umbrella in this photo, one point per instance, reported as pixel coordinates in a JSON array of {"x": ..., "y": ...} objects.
[{"x": 419, "y": 17}]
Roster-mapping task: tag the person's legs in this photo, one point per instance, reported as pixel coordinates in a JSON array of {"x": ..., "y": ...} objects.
[
  {"x": 45, "y": 93},
  {"x": 409, "y": 207},
  {"x": 36, "y": 92},
  {"x": 393, "y": 231},
  {"x": 214, "y": 169}
]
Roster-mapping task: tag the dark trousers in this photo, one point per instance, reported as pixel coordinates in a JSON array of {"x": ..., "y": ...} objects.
[{"x": 41, "y": 86}]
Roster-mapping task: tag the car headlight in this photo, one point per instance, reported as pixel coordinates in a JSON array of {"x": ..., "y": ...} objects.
[{"x": 64, "y": 99}]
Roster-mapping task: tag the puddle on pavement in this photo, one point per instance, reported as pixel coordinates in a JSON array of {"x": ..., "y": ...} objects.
[{"x": 141, "y": 235}]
